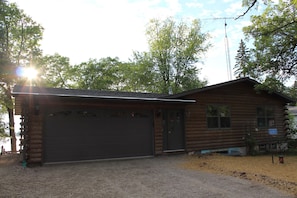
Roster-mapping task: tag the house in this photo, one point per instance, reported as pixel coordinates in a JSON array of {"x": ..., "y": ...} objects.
[{"x": 61, "y": 125}]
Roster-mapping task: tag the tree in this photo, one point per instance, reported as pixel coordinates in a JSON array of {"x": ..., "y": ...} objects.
[
  {"x": 253, "y": 3},
  {"x": 19, "y": 42},
  {"x": 275, "y": 42},
  {"x": 3, "y": 126},
  {"x": 292, "y": 128},
  {"x": 100, "y": 74},
  {"x": 2, "y": 130},
  {"x": 242, "y": 66},
  {"x": 292, "y": 92},
  {"x": 174, "y": 50},
  {"x": 140, "y": 74},
  {"x": 55, "y": 71}
]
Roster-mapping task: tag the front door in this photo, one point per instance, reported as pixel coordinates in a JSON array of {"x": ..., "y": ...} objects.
[{"x": 173, "y": 130}]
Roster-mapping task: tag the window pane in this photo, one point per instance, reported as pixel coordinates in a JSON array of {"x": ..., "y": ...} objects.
[
  {"x": 218, "y": 116},
  {"x": 265, "y": 116},
  {"x": 271, "y": 122},
  {"x": 212, "y": 111},
  {"x": 261, "y": 122},
  {"x": 224, "y": 111},
  {"x": 260, "y": 112},
  {"x": 212, "y": 122},
  {"x": 225, "y": 122}
]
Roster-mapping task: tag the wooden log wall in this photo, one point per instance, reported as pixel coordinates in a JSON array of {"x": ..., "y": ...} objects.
[
  {"x": 242, "y": 101},
  {"x": 34, "y": 134},
  {"x": 32, "y": 140},
  {"x": 35, "y": 140}
]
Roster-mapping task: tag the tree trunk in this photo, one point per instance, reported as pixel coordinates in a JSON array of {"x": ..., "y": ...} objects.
[
  {"x": 11, "y": 130},
  {"x": 11, "y": 120}
]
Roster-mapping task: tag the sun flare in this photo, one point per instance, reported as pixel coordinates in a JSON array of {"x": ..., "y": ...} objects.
[{"x": 30, "y": 73}]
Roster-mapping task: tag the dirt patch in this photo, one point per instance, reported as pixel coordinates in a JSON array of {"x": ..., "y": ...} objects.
[
  {"x": 255, "y": 168},
  {"x": 9, "y": 159}
]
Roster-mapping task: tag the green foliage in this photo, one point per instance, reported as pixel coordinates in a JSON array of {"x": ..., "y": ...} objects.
[
  {"x": 139, "y": 74},
  {"x": 274, "y": 35},
  {"x": 19, "y": 44},
  {"x": 55, "y": 71},
  {"x": 3, "y": 125},
  {"x": 3, "y": 128},
  {"x": 21, "y": 35},
  {"x": 103, "y": 74},
  {"x": 271, "y": 84},
  {"x": 250, "y": 144},
  {"x": 292, "y": 127},
  {"x": 242, "y": 67},
  {"x": 174, "y": 50},
  {"x": 170, "y": 64},
  {"x": 292, "y": 91},
  {"x": 255, "y": 4},
  {"x": 292, "y": 145}
]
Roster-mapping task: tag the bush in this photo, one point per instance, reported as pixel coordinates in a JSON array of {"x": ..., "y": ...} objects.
[
  {"x": 250, "y": 144},
  {"x": 292, "y": 143}
]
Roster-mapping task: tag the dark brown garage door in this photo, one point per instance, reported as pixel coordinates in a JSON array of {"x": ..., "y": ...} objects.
[{"x": 74, "y": 135}]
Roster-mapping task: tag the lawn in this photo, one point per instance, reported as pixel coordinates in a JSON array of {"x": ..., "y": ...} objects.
[{"x": 256, "y": 168}]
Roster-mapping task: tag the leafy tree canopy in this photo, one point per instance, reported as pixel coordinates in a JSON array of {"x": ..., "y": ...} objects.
[
  {"x": 274, "y": 52},
  {"x": 54, "y": 71},
  {"x": 170, "y": 63},
  {"x": 175, "y": 48},
  {"x": 19, "y": 44},
  {"x": 3, "y": 125},
  {"x": 100, "y": 74},
  {"x": 249, "y": 4}
]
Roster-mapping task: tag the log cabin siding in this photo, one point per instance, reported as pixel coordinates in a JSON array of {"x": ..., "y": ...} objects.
[
  {"x": 242, "y": 101},
  {"x": 34, "y": 136}
]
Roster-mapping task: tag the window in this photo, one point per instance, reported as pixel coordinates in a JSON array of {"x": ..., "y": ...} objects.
[
  {"x": 265, "y": 117},
  {"x": 218, "y": 116}
]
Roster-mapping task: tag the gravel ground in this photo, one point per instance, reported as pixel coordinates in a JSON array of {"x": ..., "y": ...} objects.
[
  {"x": 151, "y": 177},
  {"x": 260, "y": 169}
]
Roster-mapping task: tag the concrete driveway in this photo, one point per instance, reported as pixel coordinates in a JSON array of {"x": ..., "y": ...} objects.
[{"x": 151, "y": 177}]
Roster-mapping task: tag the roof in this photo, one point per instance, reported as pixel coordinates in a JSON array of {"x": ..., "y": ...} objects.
[
  {"x": 240, "y": 80},
  {"x": 118, "y": 95},
  {"x": 79, "y": 93}
]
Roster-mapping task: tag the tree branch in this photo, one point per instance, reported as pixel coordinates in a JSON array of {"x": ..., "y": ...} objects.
[
  {"x": 252, "y": 5},
  {"x": 22, "y": 42},
  {"x": 276, "y": 29},
  {"x": 279, "y": 28}
]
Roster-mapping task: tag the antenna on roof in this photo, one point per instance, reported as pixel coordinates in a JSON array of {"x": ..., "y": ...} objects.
[
  {"x": 226, "y": 42},
  {"x": 227, "y": 51}
]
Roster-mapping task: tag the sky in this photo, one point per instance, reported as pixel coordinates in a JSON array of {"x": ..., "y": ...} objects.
[{"x": 84, "y": 29}]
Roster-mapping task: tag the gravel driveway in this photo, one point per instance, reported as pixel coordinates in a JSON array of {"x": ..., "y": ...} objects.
[{"x": 151, "y": 177}]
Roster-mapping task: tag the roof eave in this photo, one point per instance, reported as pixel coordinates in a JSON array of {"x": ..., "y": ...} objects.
[{"x": 108, "y": 97}]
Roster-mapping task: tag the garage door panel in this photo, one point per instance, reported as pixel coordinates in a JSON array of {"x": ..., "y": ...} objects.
[{"x": 74, "y": 137}]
